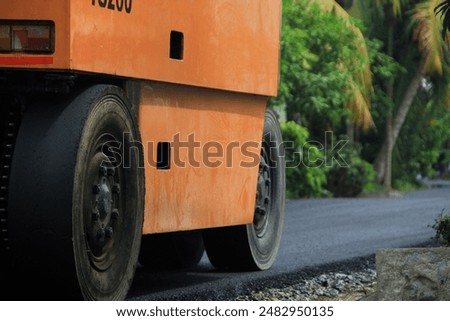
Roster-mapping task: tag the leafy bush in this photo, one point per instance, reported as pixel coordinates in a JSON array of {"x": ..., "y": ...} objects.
[
  {"x": 352, "y": 175},
  {"x": 304, "y": 175},
  {"x": 442, "y": 227},
  {"x": 320, "y": 58},
  {"x": 407, "y": 185}
]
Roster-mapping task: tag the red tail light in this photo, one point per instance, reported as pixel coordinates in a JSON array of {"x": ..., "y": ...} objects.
[{"x": 27, "y": 36}]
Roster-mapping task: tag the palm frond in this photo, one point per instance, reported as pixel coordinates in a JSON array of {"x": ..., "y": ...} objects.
[
  {"x": 360, "y": 87},
  {"x": 427, "y": 32},
  {"x": 357, "y": 104},
  {"x": 443, "y": 9},
  {"x": 395, "y": 5}
]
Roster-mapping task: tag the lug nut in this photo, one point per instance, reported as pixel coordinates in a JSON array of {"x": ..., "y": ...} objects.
[
  {"x": 111, "y": 171},
  {"x": 115, "y": 214},
  {"x": 116, "y": 189},
  {"x": 101, "y": 234},
  {"x": 260, "y": 211},
  {"x": 103, "y": 171},
  {"x": 109, "y": 232},
  {"x": 96, "y": 189}
]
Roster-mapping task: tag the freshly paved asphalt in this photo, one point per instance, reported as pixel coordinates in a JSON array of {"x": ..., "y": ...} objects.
[{"x": 318, "y": 232}]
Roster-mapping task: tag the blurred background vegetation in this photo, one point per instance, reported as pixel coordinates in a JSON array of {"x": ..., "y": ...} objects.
[{"x": 376, "y": 75}]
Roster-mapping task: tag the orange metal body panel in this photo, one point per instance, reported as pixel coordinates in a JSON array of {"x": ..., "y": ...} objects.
[
  {"x": 216, "y": 93},
  {"x": 228, "y": 44},
  {"x": 217, "y": 184}
]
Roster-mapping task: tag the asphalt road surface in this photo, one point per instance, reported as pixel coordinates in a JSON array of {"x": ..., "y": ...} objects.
[{"x": 318, "y": 232}]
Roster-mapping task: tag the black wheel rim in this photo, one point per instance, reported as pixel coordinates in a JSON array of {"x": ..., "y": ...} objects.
[
  {"x": 263, "y": 194},
  {"x": 108, "y": 210},
  {"x": 103, "y": 205}
]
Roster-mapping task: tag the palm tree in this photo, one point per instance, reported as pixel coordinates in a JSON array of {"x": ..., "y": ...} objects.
[
  {"x": 425, "y": 35},
  {"x": 360, "y": 85},
  {"x": 444, "y": 10},
  {"x": 383, "y": 164}
]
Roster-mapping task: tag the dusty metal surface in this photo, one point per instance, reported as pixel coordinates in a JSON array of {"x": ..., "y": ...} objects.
[{"x": 228, "y": 44}]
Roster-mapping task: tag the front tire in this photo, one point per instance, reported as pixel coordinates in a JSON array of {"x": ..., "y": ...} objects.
[{"x": 76, "y": 194}]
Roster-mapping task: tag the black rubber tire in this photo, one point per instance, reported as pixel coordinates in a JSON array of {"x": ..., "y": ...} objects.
[
  {"x": 58, "y": 187},
  {"x": 255, "y": 246},
  {"x": 171, "y": 251}
]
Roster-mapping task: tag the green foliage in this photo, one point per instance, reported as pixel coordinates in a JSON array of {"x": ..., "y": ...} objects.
[
  {"x": 353, "y": 177},
  {"x": 409, "y": 34},
  {"x": 304, "y": 175},
  {"x": 319, "y": 58},
  {"x": 384, "y": 69},
  {"x": 421, "y": 143},
  {"x": 406, "y": 185},
  {"x": 444, "y": 161},
  {"x": 425, "y": 130},
  {"x": 442, "y": 228}
]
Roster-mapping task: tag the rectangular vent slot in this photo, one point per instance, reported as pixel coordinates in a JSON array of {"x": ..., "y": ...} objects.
[
  {"x": 176, "y": 45},
  {"x": 163, "y": 161}
]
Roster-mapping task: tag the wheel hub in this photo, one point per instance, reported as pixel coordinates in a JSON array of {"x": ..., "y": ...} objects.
[
  {"x": 104, "y": 220},
  {"x": 105, "y": 200}
]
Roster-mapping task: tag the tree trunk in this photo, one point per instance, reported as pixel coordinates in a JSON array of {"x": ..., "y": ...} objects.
[
  {"x": 408, "y": 99},
  {"x": 380, "y": 164},
  {"x": 387, "y": 181},
  {"x": 383, "y": 163}
]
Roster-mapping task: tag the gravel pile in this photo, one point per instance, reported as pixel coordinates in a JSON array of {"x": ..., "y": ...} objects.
[{"x": 338, "y": 285}]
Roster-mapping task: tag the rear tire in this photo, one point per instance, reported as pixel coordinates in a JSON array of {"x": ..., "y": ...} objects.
[
  {"x": 255, "y": 246},
  {"x": 108, "y": 199}
]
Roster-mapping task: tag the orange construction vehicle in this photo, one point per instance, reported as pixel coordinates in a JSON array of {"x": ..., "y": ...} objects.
[{"x": 136, "y": 131}]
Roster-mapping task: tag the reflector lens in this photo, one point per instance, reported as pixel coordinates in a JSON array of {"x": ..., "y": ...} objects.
[
  {"x": 5, "y": 38},
  {"x": 33, "y": 37}
]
